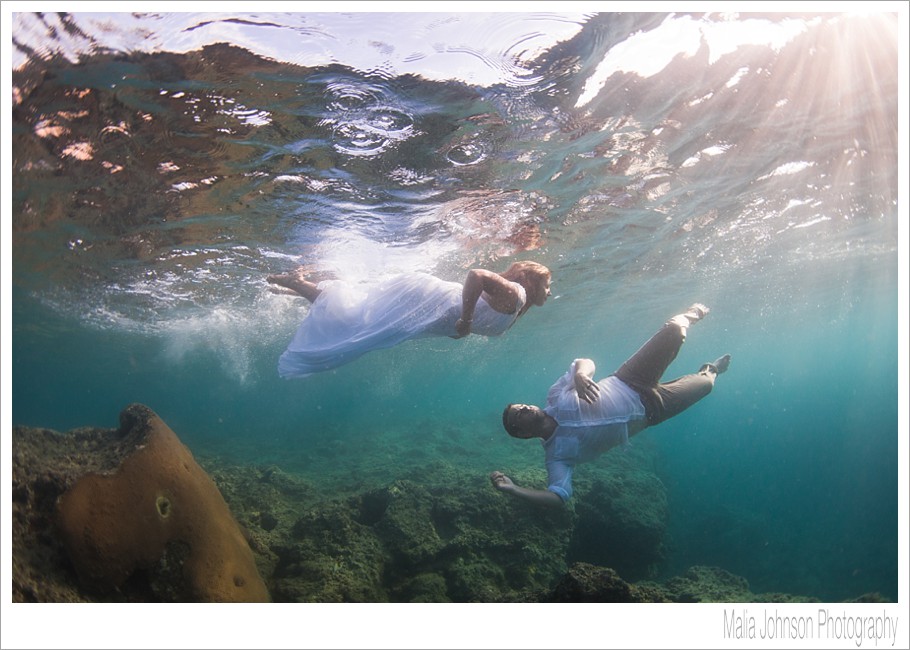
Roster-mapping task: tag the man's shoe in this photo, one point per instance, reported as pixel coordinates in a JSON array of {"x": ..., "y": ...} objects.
[
  {"x": 719, "y": 366},
  {"x": 696, "y": 312}
]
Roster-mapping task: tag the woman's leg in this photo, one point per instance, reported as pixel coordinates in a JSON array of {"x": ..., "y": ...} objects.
[{"x": 296, "y": 282}]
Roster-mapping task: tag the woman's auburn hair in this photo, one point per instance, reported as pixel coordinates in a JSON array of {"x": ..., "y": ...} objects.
[{"x": 528, "y": 267}]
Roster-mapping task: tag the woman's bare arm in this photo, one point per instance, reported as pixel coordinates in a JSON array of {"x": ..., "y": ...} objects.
[{"x": 502, "y": 296}]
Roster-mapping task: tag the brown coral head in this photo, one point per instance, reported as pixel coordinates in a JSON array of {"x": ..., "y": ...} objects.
[{"x": 110, "y": 529}]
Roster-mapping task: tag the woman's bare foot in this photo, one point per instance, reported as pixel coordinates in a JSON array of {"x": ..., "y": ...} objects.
[
  {"x": 296, "y": 282},
  {"x": 287, "y": 280}
]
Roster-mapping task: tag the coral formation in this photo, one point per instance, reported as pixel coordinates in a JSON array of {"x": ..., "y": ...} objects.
[{"x": 159, "y": 506}]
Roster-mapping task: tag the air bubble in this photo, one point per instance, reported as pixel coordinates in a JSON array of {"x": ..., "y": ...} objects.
[{"x": 467, "y": 154}]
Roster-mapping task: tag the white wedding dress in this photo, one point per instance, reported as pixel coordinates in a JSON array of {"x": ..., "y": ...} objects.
[{"x": 346, "y": 321}]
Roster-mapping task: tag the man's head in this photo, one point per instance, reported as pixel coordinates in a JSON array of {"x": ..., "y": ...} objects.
[{"x": 525, "y": 421}]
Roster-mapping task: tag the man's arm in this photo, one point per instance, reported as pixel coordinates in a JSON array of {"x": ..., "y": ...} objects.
[
  {"x": 538, "y": 497},
  {"x": 585, "y": 386}
]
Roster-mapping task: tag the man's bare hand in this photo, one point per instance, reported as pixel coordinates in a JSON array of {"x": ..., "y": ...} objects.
[
  {"x": 501, "y": 481},
  {"x": 587, "y": 388}
]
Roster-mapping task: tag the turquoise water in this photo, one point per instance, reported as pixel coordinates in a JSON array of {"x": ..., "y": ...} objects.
[{"x": 748, "y": 162}]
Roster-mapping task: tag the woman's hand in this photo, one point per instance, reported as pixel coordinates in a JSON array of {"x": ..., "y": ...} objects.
[{"x": 463, "y": 327}]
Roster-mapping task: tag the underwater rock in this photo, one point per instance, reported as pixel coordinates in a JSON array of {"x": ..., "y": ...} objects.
[
  {"x": 587, "y": 583},
  {"x": 701, "y": 584},
  {"x": 420, "y": 541},
  {"x": 708, "y": 584},
  {"x": 330, "y": 557},
  {"x": 425, "y": 588},
  {"x": 157, "y": 509},
  {"x": 408, "y": 540},
  {"x": 402, "y": 518},
  {"x": 40, "y": 475},
  {"x": 873, "y": 597},
  {"x": 622, "y": 521}
]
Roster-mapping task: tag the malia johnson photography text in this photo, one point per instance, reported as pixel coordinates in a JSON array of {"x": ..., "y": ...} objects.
[{"x": 877, "y": 628}]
